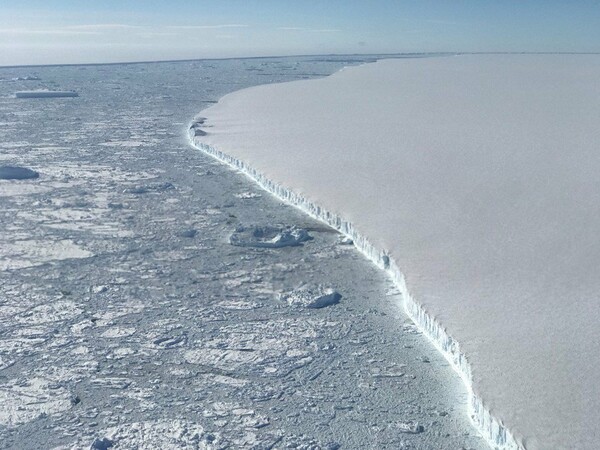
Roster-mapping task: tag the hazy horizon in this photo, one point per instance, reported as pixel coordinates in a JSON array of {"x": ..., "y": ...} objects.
[{"x": 82, "y": 32}]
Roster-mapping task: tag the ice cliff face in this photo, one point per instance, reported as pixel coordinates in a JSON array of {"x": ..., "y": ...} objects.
[
  {"x": 495, "y": 432},
  {"x": 473, "y": 181}
]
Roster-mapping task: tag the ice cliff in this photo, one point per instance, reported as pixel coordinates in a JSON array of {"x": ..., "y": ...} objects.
[{"x": 472, "y": 181}]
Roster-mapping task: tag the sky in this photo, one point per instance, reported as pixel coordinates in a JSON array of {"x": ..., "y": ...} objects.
[{"x": 82, "y": 31}]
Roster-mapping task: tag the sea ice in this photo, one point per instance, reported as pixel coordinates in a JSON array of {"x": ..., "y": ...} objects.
[
  {"x": 25, "y": 400},
  {"x": 71, "y": 322},
  {"x": 268, "y": 236},
  {"x": 15, "y": 253},
  {"x": 149, "y": 187},
  {"x": 162, "y": 434}
]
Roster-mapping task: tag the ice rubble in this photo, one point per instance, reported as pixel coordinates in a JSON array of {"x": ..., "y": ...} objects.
[
  {"x": 489, "y": 163},
  {"x": 312, "y": 298},
  {"x": 163, "y": 434},
  {"x": 268, "y": 236},
  {"x": 494, "y": 431}
]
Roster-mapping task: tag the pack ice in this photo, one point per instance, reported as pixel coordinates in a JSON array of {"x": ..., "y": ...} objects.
[{"x": 474, "y": 181}]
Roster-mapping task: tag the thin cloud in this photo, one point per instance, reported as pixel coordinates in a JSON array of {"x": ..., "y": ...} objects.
[
  {"x": 49, "y": 31},
  {"x": 441, "y": 22},
  {"x": 310, "y": 30},
  {"x": 104, "y": 27},
  {"x": 151, "y": 34},
  {"x": 207, "y": 27}
]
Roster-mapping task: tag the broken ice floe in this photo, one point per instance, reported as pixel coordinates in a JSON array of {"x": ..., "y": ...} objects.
[
  {"x": 162, "y": 434},
  {"x": 101, "y": 444},
  {"x": 26, "y": 78},
  {"x": 313, "y": 298},
  {"x": 150, "y": 187},
  {"x": 268, "y": 237},
  {"x": 170, "y": 341},
  {"x": 17, "y": 173},
  {"x": 247, "y": 195},
  {"x": 195, "y": 126},
  {"x": 410, "y": 427},
  {"x": 345, "y": 240},
  {"x": 18, "y": 254},
  {"x": 189, "y": 233},
  {"x": 100, "y": 289},
  {"x": 23, "y": 400}
]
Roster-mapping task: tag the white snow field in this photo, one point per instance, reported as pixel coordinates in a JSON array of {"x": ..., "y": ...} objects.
[{"x": 474, "y": 180}]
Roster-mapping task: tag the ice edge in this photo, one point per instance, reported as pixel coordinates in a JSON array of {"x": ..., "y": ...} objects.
[{"x": 497, "y": 435}]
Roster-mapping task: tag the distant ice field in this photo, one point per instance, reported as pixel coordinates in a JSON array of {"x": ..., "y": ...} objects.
[
  {"x": 150, "y": 297},
  {"x": 478, "y": 176}
]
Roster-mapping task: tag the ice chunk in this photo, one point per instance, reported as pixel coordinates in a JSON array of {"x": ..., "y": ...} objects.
[
  {"x": 27, "y": 78},
  {"x": 150, "y": 187},
  {"x": 189, "y": 233},
  {"x": 44, "y": 93},
  {"x": 345, "y": 240},
  {"x": 101, "y": 444},
  {"x": 17, "y": 173},
  {"x": 268, "y": 237},
  {"x": 167, "y": 434},
  {"x": 312, "y": 298},
  {"x": 411, "y": 427},
  {"x": 195, "y": 127},
  {"x": 247, "y": 195}
]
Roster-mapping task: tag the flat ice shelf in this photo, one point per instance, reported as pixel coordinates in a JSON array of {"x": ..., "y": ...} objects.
[
  {"x": 45, "y": 94},
  {"x": 474, "y": 180}
]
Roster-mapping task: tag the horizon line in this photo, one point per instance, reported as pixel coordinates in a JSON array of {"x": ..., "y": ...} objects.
[{"x": 163, "y": 61}]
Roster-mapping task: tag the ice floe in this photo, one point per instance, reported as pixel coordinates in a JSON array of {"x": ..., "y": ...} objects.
[
  {"x": 268, "y": 236},
  {"x": 44, "y": 93},
  {"x": 17, "y": 173},
  {"x": 313, "y": 298}
]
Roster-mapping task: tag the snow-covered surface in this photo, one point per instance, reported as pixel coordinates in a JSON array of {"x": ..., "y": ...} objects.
[
  {"x": 128, "y": 319},
  {"x": 474, "y": 179}
]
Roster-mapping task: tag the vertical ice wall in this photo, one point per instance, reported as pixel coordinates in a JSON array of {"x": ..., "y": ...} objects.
[
  {"x": 473, "y": 180},
  {"x": 488, "y": 426}
]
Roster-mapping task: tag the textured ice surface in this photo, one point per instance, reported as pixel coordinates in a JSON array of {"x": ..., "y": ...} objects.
[
  {"x": 163, "y": 338},
  {"x": 473, "y": 179},
  {"x": 319, "y": 297},
  {"x": 168, "y": 434},
  {"x": 268, "y": 236}
]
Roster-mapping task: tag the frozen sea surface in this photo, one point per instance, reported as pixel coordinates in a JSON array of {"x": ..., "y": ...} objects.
[
  {"x": 475, "y": 180},
  {"x": 129, "y": 320}
]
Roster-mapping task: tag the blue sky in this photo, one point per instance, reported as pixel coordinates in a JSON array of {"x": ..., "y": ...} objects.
[{"x": 81, "y": 31}]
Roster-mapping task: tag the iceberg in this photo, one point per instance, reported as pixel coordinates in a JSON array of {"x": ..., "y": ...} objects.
[
  {"x": 44, "y": 93},
  {"x": 472, "y": 180}
]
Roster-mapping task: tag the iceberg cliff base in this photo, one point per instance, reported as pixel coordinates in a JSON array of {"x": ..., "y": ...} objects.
[{"x": 488, "y": 426}]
